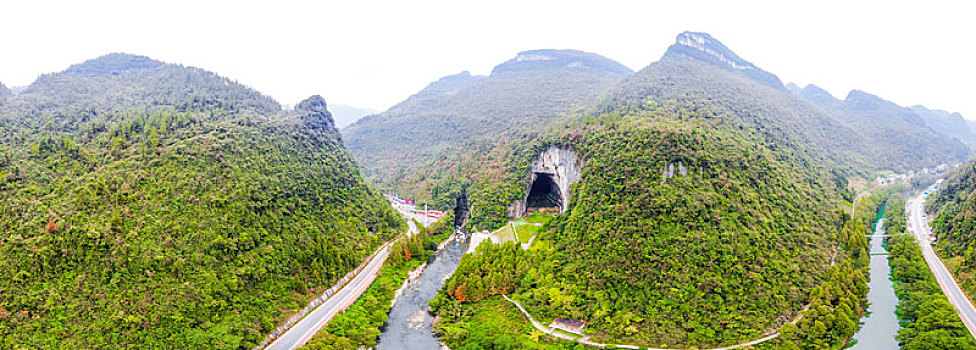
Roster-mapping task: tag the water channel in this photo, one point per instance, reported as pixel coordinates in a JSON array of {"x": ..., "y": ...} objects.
[
  {"x": 409, "y": 326},
  {"x": 880, "y": 325}
]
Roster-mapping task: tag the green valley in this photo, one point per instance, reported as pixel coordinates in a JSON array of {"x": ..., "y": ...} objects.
[{"x": 487, "y": 176}]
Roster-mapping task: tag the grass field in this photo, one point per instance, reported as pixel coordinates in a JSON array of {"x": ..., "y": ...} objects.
[
  {"x": 525, "y": 228},
  {"x": 497, "y": 324},
  {"x": 505, "y": 233},
  {"x": 526, "y": 231}
]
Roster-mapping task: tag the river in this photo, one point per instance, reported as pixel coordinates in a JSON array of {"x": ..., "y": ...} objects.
[
  {"x": 409, "y": 326},
  {"x": 880, "y": 325}
]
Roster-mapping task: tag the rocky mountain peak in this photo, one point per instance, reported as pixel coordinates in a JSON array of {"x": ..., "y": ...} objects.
[
  {"x": 704, "y": 48},
  {"x": 315, "y": 110},
  {"x": 704, "y": 43}
]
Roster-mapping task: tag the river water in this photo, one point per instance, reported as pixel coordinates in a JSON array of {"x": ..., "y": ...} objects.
[
  {"x": 880, "y": 325},
  {"x": 409, "y": 326}
]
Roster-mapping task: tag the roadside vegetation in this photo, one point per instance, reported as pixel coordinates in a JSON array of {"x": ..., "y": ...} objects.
[
  {"x": 954, "y": 224},
  {"x": 361, "y": 324},
  {"x": 927, "y": 318}
]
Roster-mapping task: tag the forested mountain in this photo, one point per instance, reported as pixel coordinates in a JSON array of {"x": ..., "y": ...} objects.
[
  {"x": 951, "y": 124},
  {"x": 712, "y": 89},
  {"x": 120, "y": 81},
  {"x": 895, "y": 137},
  {"x": 730, "y": 245},
  {"x": 149, "y": 205},
  {"x": 427, "y": 134}
]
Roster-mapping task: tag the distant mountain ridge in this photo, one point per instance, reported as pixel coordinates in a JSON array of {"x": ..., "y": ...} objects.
[
  {"x": 345, "y": 115},
  {"x": 555, "y": 59},
  {"x": 952, "y": 124},
  {"x": 113, "y": 64},
  {"x": 898, "y": 138},
  {"x": 459, "y": 111},
  {"x": 119, "y": 81}
]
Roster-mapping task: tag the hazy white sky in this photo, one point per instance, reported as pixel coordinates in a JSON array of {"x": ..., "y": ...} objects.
[{"x": 376, "y": 53}]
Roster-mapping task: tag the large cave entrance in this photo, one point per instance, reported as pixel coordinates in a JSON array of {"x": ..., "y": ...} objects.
[
  {"x": 544, "y": 193},
  {"x": 550, "y": 182}
]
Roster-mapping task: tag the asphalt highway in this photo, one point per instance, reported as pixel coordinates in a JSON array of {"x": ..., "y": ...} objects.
[{"x": 918, "y": 224}]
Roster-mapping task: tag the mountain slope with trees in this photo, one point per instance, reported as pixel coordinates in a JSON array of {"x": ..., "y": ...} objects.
[
  {"x": 428, "y": 135},
  {"x": 895, "y": 137},
  {"x": 121, "y": 81},
  {"x": 952, "y": 124},
  {"x": 735, "y": 244},
  {"x": 147, "y": 205}
]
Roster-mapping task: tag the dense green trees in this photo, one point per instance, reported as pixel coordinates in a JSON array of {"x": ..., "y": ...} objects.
[
  {"x": 162, "y": 220},
  {"x": 954, "y": 223},
  {"x": 738, "y": 245}
]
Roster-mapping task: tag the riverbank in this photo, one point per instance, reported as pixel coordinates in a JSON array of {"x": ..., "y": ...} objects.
[
  {"x": 416, "y": 273},
  {"x": 361, "y": 324},
  {"x": 880, "y": 324},
  {"x": 410, "y": 323}
]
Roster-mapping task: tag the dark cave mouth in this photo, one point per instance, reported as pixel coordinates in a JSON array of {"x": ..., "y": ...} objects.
[{"x": 544, "y": 193}]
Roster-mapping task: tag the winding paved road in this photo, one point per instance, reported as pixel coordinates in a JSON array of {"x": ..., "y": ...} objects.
[{"x": 919, "y": 226}]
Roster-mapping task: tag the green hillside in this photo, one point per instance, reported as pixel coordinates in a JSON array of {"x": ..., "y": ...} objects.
[
  {"x": 425, "y": 138},
  {"x": 896, "y": 138},
  {"x": 196, "y": 220},
  {"x": 736, "y": 246},
  {"x": 720, "y": 255},
  {"x": 771, "y": 114},
  {"x": 137, "y": 82},
  {"x": 951, "y": 124}
]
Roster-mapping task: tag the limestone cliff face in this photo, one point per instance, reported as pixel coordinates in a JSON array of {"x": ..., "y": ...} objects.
[
  {"x": 703, "y": 47},
  {"x": 462, "y": 210},
  {"x": 562, "y": 166}
]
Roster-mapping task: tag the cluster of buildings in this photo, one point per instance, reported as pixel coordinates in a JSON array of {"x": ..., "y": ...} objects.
[
  {"x": 410, "y": 206},
  {"x": 905, "y": 178}
]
